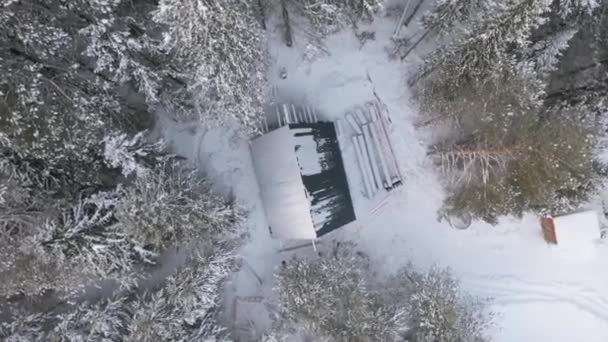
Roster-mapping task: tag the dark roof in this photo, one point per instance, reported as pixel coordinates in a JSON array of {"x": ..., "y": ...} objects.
[{"x": 326, "y": 184}]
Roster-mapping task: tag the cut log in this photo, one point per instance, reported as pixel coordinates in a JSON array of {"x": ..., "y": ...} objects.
[
  {"x": 363, "y": 166},
  {"x": 367, "y": 162},
  {"x": 353, "y": 123},
  {"x": 294, "y": 114},
  {"x": 286, "y": 114},
  {"x": 393, "y": 169},
  {"x": 361, "y": 115},
  {"x": 407, "y": 21},
  {"x": 391, "y": 159},
  {"x": 371, "y": 153},
  {"x": 386, "y": 176},
  {"x": 303, "y": 114},
  {"x": 373, "y": 111},
  {"x": 339, "y": 127},
  {"x": 309, "y": 114},
  {"x": 402, "y": 19},
  {"x": 279, "y": 122}
]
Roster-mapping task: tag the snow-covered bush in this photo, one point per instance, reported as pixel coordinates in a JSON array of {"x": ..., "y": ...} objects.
[
  {"x": 330, "y": 298},
  {"x": 438, "y": 311},
  {"x": 221, "y": 46},
  {"x": 336, "y": 298},
  {"x": 329, "y": 16},
  {"x": 187, "y": 306}
]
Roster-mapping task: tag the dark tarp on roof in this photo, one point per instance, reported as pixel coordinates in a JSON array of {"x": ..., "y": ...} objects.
[{"x": 327, "y": 190}]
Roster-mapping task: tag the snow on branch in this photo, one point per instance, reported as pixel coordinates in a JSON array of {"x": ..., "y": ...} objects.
[
  {"x": 438, "y": 310},
  {"x": 328, "y": 16},
  {"x": 220, "y": 44},
  {"x": 175, "y": 204},
  {"x": 133, "y": 155}
]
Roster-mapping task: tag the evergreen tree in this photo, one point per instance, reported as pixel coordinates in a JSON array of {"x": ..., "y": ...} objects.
[
  {"x": 506, "y": 155},
  {"x": 183, "y": 307},
  {"x": 221, "y": 45}
]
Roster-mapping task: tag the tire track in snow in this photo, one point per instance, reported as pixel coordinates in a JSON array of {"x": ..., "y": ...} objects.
[{"x": 506, "y": 290}]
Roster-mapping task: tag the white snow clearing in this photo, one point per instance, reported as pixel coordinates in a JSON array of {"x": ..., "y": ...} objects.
[{"x": 541, "y": 293}]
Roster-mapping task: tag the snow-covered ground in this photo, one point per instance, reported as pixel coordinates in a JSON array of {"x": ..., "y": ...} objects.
[{"x": 541, "y": 293}]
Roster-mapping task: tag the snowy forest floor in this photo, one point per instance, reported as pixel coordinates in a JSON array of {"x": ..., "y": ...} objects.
[{"x": 539, "y": 292}]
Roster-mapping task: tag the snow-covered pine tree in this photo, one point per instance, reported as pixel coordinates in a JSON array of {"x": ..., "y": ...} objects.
[
  {"x": 574, "y": 9},
  {"x": 108, "y": 234},
  {"x": 31, "y": 196},
  {"x": 174, "y": 204},
  {"x": 449, "y": 14},
  {"x": 506, "y": 158},
  {"x": 77, "y": 68},
  {"x": 331, "y": 298},
  {"x": 488, "y": 49},
  {"x": 579, "y": 84},
  {"x": 546, "y": 53},
  {"x": 47, "y": 111},
  {"x": 436, "y": 308},
  {"x": 220, "y": 44},
  {"x": 490, "y": 85},
  {"x": 187, "y": 307},
  {"x": 183, "y": 307},
  {"x": 134, "y": 155}
]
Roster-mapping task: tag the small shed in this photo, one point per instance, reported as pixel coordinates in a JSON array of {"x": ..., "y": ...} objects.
[
  {"x": 302, "y": 180},
  {"x": 571, "y": 230}
]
